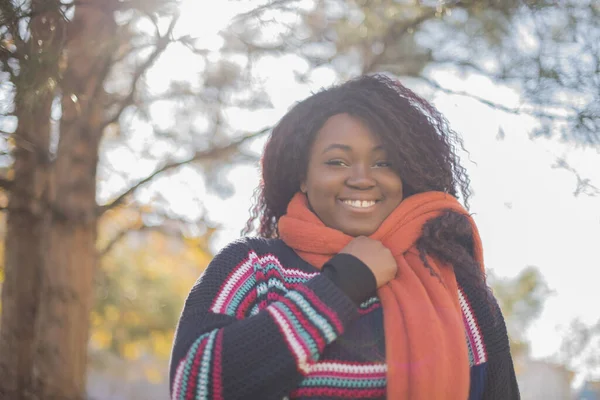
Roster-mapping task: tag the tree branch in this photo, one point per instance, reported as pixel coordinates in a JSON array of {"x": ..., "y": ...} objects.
[
  {"x": 214, "y": 153},
  {"x": 161, "y": 44},
  {"x": 254, "y": 12},
  {"x": 122, "y": 234},
  {"x": 516, "y": 111},
  {"x": 584, "y": 185}
]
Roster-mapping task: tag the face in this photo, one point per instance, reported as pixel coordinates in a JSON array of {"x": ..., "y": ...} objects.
[{"x": 350, "y": 183}]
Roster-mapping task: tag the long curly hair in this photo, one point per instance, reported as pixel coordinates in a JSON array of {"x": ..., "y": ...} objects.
[{"x": 421, "y": 147}]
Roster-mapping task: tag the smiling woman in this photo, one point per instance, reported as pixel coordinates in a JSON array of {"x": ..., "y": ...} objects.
[{"x": 367, "y": 280}]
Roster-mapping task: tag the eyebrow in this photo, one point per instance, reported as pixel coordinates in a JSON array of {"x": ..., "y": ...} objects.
[{"x": 345, "y": 147}]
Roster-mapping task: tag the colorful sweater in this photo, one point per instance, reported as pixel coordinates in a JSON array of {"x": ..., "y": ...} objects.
[{"x": 261, "y": 323}]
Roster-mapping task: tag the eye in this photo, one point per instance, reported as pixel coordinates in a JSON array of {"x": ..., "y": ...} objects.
[
  {"x": 382, "y": 164},
  {"x": 337, "y": 163}
]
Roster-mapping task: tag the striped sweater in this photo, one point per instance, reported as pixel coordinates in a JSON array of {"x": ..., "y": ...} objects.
[{"x": 261, "y": 323}]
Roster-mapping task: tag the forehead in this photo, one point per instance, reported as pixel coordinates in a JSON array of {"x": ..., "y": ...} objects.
[{"x": 346, "y": 129}]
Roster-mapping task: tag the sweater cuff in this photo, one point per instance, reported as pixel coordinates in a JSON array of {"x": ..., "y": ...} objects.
[{"x": 352, "y": 276}]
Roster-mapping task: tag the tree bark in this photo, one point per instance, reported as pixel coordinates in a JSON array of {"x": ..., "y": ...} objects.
[
  {"x": 67, "y": 278},
  {"x": 28, "y": 214}
]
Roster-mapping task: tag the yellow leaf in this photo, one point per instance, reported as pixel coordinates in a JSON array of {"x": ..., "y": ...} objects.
[
  {"x": 130, "y": 351},
  {"x": 153, "y": 375},
  {"x": 101, "y": 338}
]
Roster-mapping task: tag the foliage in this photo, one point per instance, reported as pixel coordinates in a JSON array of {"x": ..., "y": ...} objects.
[
  {"x": 521, "y": 300},
  {"x": 140, "y": 287},
  {"x": 580, "y": 349},
  {"x": 547, "y": 50}
]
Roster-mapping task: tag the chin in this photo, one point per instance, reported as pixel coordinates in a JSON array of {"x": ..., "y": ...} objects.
[{"x": 355, "y": 232}]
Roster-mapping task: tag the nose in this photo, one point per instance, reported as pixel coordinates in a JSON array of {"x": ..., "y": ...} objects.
[{"x": 361, "y": 177}]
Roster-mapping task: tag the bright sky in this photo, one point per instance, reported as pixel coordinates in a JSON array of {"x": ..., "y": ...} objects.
[{"x": 525, "y": 210}]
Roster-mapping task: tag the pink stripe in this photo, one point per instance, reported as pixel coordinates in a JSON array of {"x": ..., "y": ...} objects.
[
  {"x": 481, "y": 357},
  {"x": 217, "y": 393},
  {"x": 191, "y": 381},
  {"x": 306, "y": 324},
  {"x": 347, "y": 375},
  {"x": 336, "y": 392},
  {"x": 294, "y": 334},
  {"x": 364, "y": 311},
  {"x": 178, "y": 378},
  {"x": 322, "y": 308},
  {"x": 234, "y": 289},
  {"x": 229, "y": 277},
  {"x": 245, "y": 304},
  {"x": 476, "y": 358}
]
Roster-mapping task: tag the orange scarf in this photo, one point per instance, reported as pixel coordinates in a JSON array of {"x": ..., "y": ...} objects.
[{"x": 426, "y": 350}]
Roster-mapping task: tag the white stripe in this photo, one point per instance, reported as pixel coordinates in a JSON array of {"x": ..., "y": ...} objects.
[
  {"x": 203, "y": 378},
  {"x": 473, "y": 326},
  {"x": 348, "y": 368},
  {"x": 288, "y": 272},
  {"x": 177, "y": 381},
  {"x": 297, "y": 350},
  {"x": 320, "y": 322},
  {"x": 237, "y": 275}
]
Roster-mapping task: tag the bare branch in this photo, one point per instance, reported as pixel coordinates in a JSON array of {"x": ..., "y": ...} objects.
[
  {"x": 122, "y": 234},
  {"x": 491, "y": 104},
  {"x": 211, "y": 154},
  {"x": 584, "y": 185},
  {"x": 256, "y": 11},
  {"x": 161, "y": 44}
]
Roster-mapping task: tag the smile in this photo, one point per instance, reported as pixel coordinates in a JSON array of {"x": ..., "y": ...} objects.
[{"x": 360, "y": 204}]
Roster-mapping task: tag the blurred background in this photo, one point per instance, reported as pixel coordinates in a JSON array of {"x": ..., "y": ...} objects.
[{"x": 130, "y": 134}]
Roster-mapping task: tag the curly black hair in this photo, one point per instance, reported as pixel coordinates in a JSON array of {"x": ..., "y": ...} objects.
[{"x": 422, "y": 150}]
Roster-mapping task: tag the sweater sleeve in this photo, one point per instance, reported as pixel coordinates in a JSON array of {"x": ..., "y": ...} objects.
[
  {"x": 352, "y": 276},
  {"x": 219, "y": 354},
  {"x": 501, "y": 380}
]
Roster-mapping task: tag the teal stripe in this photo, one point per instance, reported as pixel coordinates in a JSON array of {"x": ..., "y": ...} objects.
[
  {"x": 261, "y": 289},
  {"x": 358, "y": 383},
  {"x": 240, "y": 294},
  {"x": 369, "y": 302},
  {"x": 321, "y": 323},
  {"x": 203, "y": 378},
  {"x": 187, "y": 368},
  {"x": 300, "y": 329},
  {"x": 276, "y": 283},
  {"x": 287, "y": 278}
]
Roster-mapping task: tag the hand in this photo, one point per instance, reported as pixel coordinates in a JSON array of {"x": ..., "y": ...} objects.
[{"x": 376, "y": 256}]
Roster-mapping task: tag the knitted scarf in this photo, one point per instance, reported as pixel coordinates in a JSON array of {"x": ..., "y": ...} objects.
[{"x": 426, "y": 351}]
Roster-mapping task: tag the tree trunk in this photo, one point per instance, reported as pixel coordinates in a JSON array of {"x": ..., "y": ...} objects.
[
  {"x": 67, "y": 279},
  {"x": 52, "y": 216},
  {"x": 26, "y": 230},
  {"x": 28, "y": 212}
]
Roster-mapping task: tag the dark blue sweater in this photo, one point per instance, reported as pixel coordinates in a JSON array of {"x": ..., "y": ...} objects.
[{"x": 261, "y": 323}]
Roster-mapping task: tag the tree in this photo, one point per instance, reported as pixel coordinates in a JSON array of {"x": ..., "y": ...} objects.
[
  {"x": 521, "y": 299},
  {"x": 580, "y": 348},
  {"x": 72, "y": 72}
]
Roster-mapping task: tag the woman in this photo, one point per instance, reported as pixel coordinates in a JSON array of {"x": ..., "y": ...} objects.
[{"x": 367, "y": 281}]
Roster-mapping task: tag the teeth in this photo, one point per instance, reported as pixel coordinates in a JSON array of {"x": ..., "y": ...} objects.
[{"x": 359, "y": 203}]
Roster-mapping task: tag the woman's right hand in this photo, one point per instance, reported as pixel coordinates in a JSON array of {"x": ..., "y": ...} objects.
[{"x": 374, "y": 255}]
